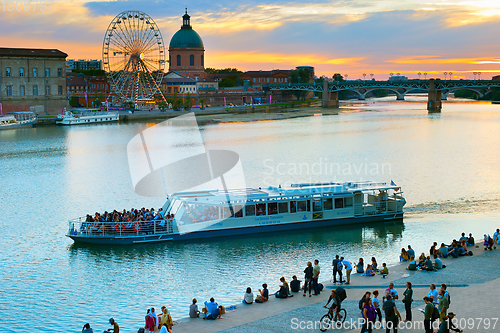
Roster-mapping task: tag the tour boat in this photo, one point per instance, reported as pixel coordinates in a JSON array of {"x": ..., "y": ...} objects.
[
  {"x": 222, "y": 213},
  {"x": 87, "y": 116},
  {"x": 18, "y": 119}
]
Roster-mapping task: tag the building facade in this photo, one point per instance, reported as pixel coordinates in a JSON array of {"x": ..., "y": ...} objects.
[
  {"x": 94, "y": 87},
  {"x": 260, "y": 78},
  {"x": 33, "y": 79},
  {"x": 186, "y": 50}
]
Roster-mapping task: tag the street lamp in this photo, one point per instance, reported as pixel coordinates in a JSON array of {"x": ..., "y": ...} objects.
[
  {"x": 364, "y": 76},
  {"x": 419, "y": 75},
  {"x": 425, "y": 76},
  {"x": 479, "y": 74},
  {"x": 345, "y": 75},
  {"x": 475, "y": 73},
  {"x": 398, "y": 74},
  {"x": 372, "y": 75},
  {"x": 450, "y": 73},
  {"x": 445, "y": 74}
]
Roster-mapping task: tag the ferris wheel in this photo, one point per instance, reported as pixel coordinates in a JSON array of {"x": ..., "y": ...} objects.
[{"x": 133, "y": 56}]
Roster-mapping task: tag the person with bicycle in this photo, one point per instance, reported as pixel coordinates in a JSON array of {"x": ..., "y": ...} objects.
[{"x": 336, "y": 302}]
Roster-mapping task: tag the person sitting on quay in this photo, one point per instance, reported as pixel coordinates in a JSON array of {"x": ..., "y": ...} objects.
[
  {"x": 443, "y": 251},
  {"x": 464, "y": 245},
  {"x": 164, "y": 329},
  {"x": 360, "y": 266},
  {"x": 433, "y": 250},
  {"x": 462, "y": 237},
  {"x": 411, "y": 252},
  {"x": 86, "y": 328},
  {"x": 115, "y": 328},
  {"x": 428, "y": 265},
  {"x": 284, "y": 290},
  {"x": 438, "y": 264},
  {"x": 193, "y": 309},
  {"x": 264, "y": 294},
  {"x": 369, "y": 271},
  {"x": 453, "y": 252},
  {"x": 166, "y": 320},
  {"x": 295, "y": 284},
  {"x": 248, "y": 297},
  {"x": 471, "y": 241},
  {"x": 404, "y": 255},
  {"x": 374, "y": 264},
  {"x": 447, "y": 324},
  {"x": 421, "y": 260},
  {"x": 412, "y": 266},
  {"x": 496, "y": 238},
  {"x": 384, "y": 271},
  {"x": 488, "y": 242},
  {"x": 213, "y": 310}
]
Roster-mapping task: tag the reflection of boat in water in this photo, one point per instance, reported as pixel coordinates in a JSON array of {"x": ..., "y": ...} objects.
[
  {"x": 211, "y": 214},
  {"x": 88, "y": 116},
  {"x": 18, "y": 119}
]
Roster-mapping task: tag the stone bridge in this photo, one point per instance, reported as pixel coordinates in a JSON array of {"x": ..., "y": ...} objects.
[{"x": 437, "y": 89}]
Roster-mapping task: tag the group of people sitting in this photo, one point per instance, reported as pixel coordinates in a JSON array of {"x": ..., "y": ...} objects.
[
  {"x": 162, "y": 321},
  {"x": 134, "y": 221},
  {"x": 491, "y": 242},
  {"x": 371, "y": 269}
]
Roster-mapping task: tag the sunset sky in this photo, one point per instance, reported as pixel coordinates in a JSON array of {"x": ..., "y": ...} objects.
[{"x": 345, "y": 36}]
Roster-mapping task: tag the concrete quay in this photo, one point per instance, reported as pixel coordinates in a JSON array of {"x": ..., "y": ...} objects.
[{"x": 473, "y": 283}]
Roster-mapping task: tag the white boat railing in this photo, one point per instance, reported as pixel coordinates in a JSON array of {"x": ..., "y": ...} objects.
[{"x": 81, "y": 227}]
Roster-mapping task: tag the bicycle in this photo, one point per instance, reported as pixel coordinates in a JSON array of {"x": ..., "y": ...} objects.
[{"x": 328, "y": 320}]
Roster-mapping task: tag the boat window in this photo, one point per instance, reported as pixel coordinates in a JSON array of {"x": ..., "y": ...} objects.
[
  {"x": 175, "y": 206},
  {"x": 238, "y": 211},
  {"x": 293, "y": 206},
  {"x": 283, "y": 207},
  {"x": 308, "y": 202},
  {"x": 227, "y": 212},
  {"x": 348, "y": 201},
  {"x": 317, "y": 205},
  {"x": 200, "y": 213},
  {"x": 327, "y": 204},
  {"x": 272, "y": 208},
  {"x": 301, "y": 206},
  {"x": 250, "y": 210},
  {"x": 261, "y": 209},
  {"x": 339, "y": 203}
]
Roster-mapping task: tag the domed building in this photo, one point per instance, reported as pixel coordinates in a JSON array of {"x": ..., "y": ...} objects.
[{"x": 186, "y": 50}]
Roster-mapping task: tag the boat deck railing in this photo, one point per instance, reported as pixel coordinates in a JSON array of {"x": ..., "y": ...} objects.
[{"x": 81, "y": 227}]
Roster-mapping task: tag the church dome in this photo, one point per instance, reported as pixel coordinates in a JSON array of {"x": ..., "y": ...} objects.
[{"x": 186, "y": 37}]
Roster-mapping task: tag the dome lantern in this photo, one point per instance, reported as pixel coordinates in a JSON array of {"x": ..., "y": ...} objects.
[{"x": 186, "y": 21}]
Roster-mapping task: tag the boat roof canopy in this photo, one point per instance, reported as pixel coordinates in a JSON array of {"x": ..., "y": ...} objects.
[{"x": 272, "y": 192}]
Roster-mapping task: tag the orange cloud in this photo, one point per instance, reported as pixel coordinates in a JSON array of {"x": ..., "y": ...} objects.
[{"x": 434, "y": 60}]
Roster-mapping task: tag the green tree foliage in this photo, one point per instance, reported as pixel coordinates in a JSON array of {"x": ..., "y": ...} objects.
[
  {"x": 380, "y": 93},
  {"x": 73, "y": 102},
  {"x": 187, "y": 102},
  {"x": 178, "y": 104},
  {"x": 300, "y": 75},
  {"x": 210, "y": 70},
  {"x": 229, "y": 81},
  {"x": 201, "y": 102},
  {"x": 91, "y": 72},
  {"x": 338, "y": 77},
  {"x": 162, "y": 106},
  {"x": 96, "y": 103}
]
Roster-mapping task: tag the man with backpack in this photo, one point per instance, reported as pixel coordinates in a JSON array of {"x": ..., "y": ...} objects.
[
  {"x": 335, "y": 264},
  {"x": 446, "y": 294},
  {"x": 431, "y": 313},
  {"x": 340, "y": 266},
  {"x": 391, "y": 315}
]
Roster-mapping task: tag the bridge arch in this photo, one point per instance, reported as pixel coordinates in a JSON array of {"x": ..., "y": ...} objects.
[
  {"x": 445, "y": 93},
  {"x": 400, "y": 96}
]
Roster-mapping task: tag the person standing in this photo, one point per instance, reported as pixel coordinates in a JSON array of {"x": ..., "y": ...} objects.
[
  {"x": 407, "y": 299},
  {"x": 368, "y": 316},
  {"x": 340, "y": 267},
  {"x": 391, "y": 292},
  {"x": 348, "y": 270},
  {"x": 443, "y": 305},
  {"x": 376, "y": 304},
  {"x": 433, "y": 294},
  {"x": 308, "y": 275},
  {"x": 392, "y": 315},
  {"x": 335, "y": 263},
  {"x": 428, "y": 312},
  {"x": 316, "y": 271}
]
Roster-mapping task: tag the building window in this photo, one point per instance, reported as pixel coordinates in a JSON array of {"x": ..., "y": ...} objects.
[
  {"x": 59, "y": 90},
  {"x": 59, "y": 72},
  {"x": 178, "y": 60},
  {"x": 34, "y": 72},
  {"x": 254, "y": 80},
  {"x": 191, "y": 60},
  {"x": 21, "y": 72},
  {"x": 268, "y": 80},
  {"x": 286, "y": 80},
  {"x": 169, "y": 89},
  {"x": 22, "y": 91},
  {"x": 9, "y": 90},
  {"x": 47, "y": 90},
  {"x": 35, "y": 90},
  {"x": 202, "y": 60},
  {"x": 274, "y": 80},
  {"x": 7, "y": 71},
  {"x": 47, "y": 72}
]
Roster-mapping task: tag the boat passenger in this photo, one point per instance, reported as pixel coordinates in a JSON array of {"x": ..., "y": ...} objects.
[
  {"x": 248, "y": 297},
  {"x": 264, "y": 294}
]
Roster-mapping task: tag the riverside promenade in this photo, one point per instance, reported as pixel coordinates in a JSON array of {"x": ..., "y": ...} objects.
[{"x": 473, "y": 283}]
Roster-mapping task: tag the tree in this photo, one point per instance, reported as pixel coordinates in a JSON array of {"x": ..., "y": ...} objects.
[
  {"x": 187, "y": 102},
  {"x": 201, "y": 102},
  {"x": 162, "y": 106},
  {"x": 210, "y": 70},
  {"x": 96, "y": 103},
  {"x": 338, "y": 77},
  {"x": 178, "y": 104},
  {"x": 73, "y": 102},
  {"x": 300, "y": 75}
]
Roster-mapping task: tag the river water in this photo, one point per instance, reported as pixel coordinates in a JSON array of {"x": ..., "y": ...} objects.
[{"x": 447, "y": 164}]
